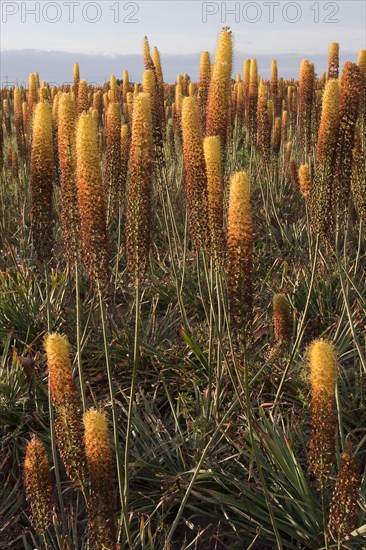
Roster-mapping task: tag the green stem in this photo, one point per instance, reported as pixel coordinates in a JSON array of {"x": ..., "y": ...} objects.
[
  {"x": 78, "y": 337},
  {"x": 325, "y": 518},
  {"x": 210, "y": 345},
  {"x": 51, "y": 409},
  {"x": 132, "y": 391},
  {"x": 114, "y": 413}
]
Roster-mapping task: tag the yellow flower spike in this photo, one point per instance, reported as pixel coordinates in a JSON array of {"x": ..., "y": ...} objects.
[
  {"x": 253, "y": 101},
  {"x": 240, "y": 104},
  {"x": 349, "y": 102},
  {"x": 212, "y": 152},
  {"x": 42, "y": 177},
  {"x": 32, "y": 100},
  {"x": 240, "y": 257},
  {"x": 246, "y": 79},
  {"x": 113, "y": 89},
  {"x": 141, "y": 167},
  {"x": 149, "y": 86},
  {"x": 284, "y": 126},
  {"x": 101, "y": 531},
  {"x": 125, "y": 150},
  {"x": 130, "y": 100},
  {"x": 219, "y": 91},
  {"x": 277, "y": 136},
  {"x": 263, "y": 129},
  {"x": 68, "y": 426},
  {"x": 361, "y": 62},
  {"x": 333, "y": 60},
  {"x": 82, "y": 98},
  {"x": 125, "y": 85},
  {"x": 274, "y": 89},
  {"x": 76, "y": 79},
  {"x": 305, "y": 182},
  {"x": 306, "y": 93},
  {"x": 91, "y": 201},
  {"x": 323, "y": 377},
  {"x": 322, "y": 217},
  {"x": 323, "y": 367},
  {"x": 98, "y": 104},
  {"x": 203, "y": 86},
  {"x": 70, "y": 221},
  {"x": 195, "y": 172},
  {"x": 159, "y": 89},
  {"x": 38, "y": 485},
  {"x": 112, "y": 167}
]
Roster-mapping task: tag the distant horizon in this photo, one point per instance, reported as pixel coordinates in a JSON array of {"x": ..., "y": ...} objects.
[
  {"x": 105, "y": 37},
  {"x": 56, "y": 67}
]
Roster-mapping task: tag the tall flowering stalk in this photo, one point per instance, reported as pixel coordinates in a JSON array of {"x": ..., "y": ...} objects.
[
  {"x": 125, "y": 151},
  {"x": 246, "y": 81},
  {"x": 159, "y": 90},
  {"x": 125, "y": 85},
  {"x": 276, "y": 140},
  {"x": 76, "y": 80},
  {"x": 274, "y": 90},
  {"x": 68, "y": 425},
  {"x": 38, "y": 485},
  {"x": 149, "y": 87},
  {"x": 349, "y": 101},
  {"x": 141, "y": 168},
  {"x": 361, "y": 62},
  {"x": 70, "y": 221},
  {"x": 263, "y": 129},
  {"x": 195, "y": 172},
  {"x": 82, "y": 98},
  {"x": 7, "y": 117},
  {"x": 282, "y": 323},
  {"x": 240, "y": 105},
  {"x": 333, "y": 60},
  {"x": 321, "y": 199},
  {"x": 240, "y": 257},
  {"x": 42, "y": 177},
  {"x": 18, "y": 120},
  {"x": 219, "y": 90},
  {"x": 212, "y": 152},
  {"x": 305, "y": 183},
  {"x": 344, "y": 503},
  {"x": 203, "y": 87},
  {"x": 284, "y": 126},
  {"x": 306, "y": 95},
  {"x": 358, "y": 177},
  {"x": 253, "y": 101},
  {"x": 91, "y": 200},
  {"x": 112, "y": 168},
  {"x": 101, "y": 532},
  {"x": 323, "y": 378},
  {"x": 32, "y": 100}
]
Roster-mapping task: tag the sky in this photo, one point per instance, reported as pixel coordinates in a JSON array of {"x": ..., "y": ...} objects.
[{"x": 105, "y": 36}]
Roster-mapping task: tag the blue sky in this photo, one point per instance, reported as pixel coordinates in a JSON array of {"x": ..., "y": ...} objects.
[{"x": 58, "y": 32}]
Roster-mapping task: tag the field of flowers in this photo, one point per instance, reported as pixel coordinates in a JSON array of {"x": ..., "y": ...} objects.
[{"x": 182, "y": 309}]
